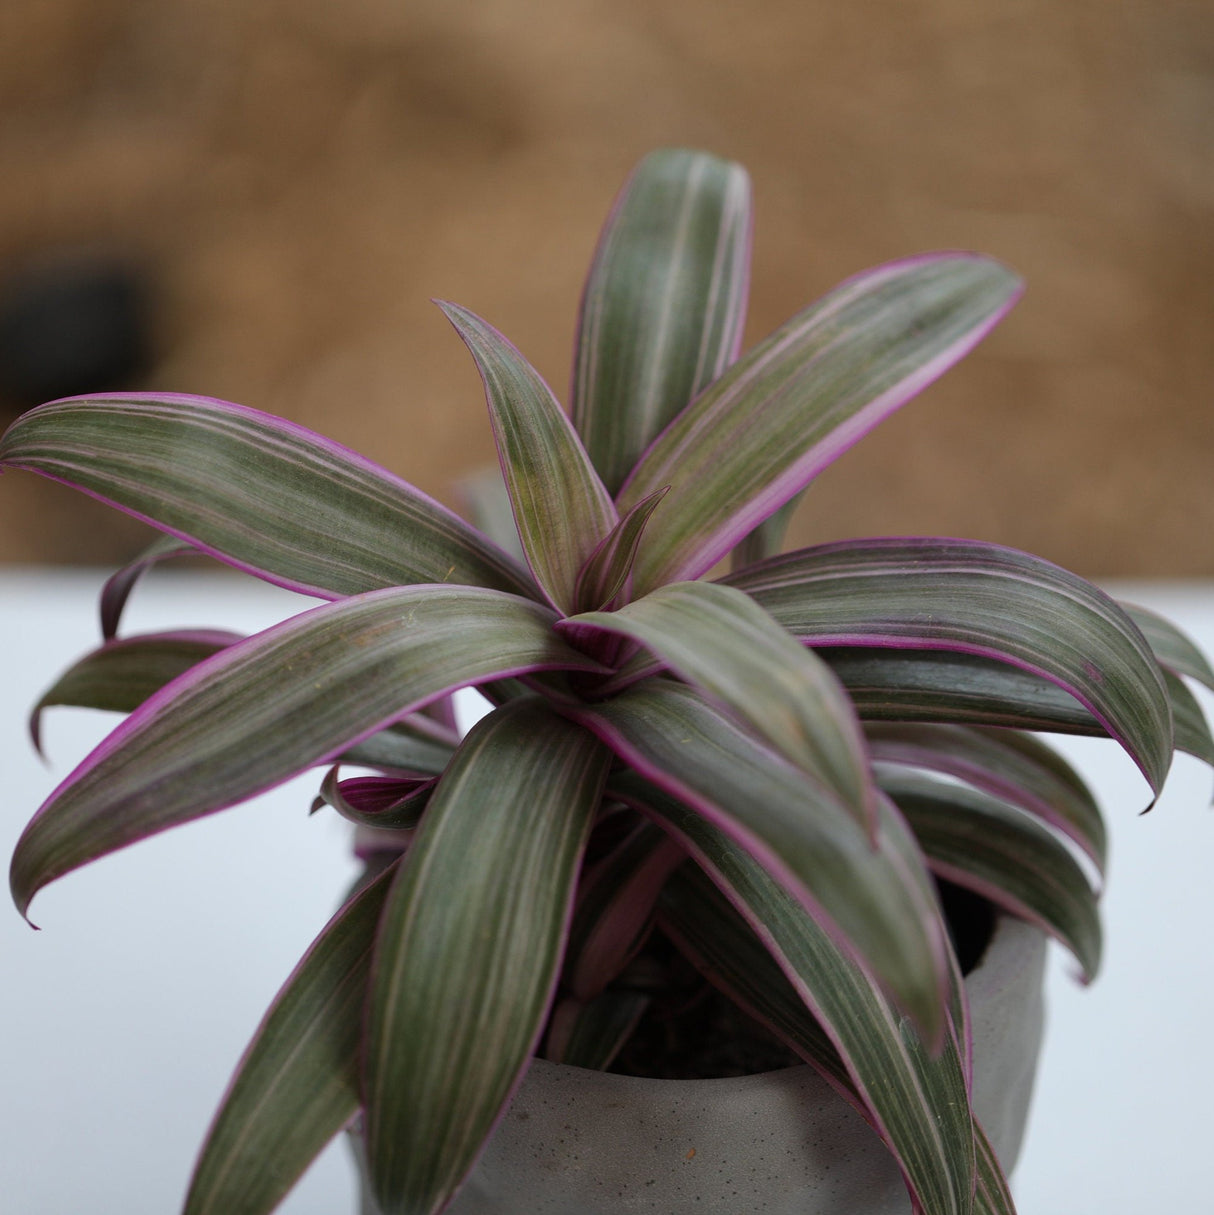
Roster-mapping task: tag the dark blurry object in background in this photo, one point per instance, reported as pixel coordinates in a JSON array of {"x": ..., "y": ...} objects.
[{"x": 69, "y": 324}]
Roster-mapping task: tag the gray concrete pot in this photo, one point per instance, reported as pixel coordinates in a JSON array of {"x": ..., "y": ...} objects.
[{"x": 578, "y": 1142}]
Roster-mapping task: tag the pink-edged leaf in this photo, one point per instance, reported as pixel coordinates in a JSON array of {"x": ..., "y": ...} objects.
[
  {"x": 469, "y": 948},
  {"x": 917, "y": 1099},
  {"x": 591, "y": 1034},
  {"x": 1174, "y": 649},
  {"x": 603, "y": 580},
  {"x": 722, "y": 642},
  {"x": 297, "y": 1083},
  {"x": 614, "y": 909},
  {"x": 995, "y": 849},
  {"x": 664, "y": 303},
  {"x": 949, "y": 687},
  {"x": 258, "y": 492},
  {"x": 993, "y": 1195},
  {"x": 946, "y": 686},
  {"x": 1189, "y": 723},
  {"x": 561, "y": 509},
  {"x": 873, "y": 899},
  {"x": 266, "y": 708},
  {"x": 121, "y": 674},
  {"x": 982, "y": 599},
  {"x": 383, "y": 802},
  {"x": 767, "y": 539},
  {"x": 712, "y": 934},
  {"x": 758, "y": 435},
  {"x": 118, "y": 586},
  {"x": 1008, "y": 765}
]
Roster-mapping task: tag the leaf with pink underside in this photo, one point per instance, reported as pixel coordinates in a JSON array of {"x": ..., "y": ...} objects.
[
  {"x": 759, "y": 434},
  {"x": 258, "y": 492},
  {"x": 265, "y": 708},
  {"x": 384, "y": 802}
]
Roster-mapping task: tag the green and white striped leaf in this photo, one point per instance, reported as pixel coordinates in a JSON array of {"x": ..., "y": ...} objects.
[
  {"x": 1005, "y": 764},
  {"x": 297, "y": 1083},
  {"x": 980, "y": 599},
  {"x": 259, "y": 493},
  {"x": 469, "y": 948},
  {"x": 759, "y": 434},
  {"x": 721, "y": 641},
  {"x": 561, "y": 509},
  {"x": 265, "y": 708},
  {"x": 1002, "y": 853},
  {"x": 664, "y": 304},
  {"x": 918, "y": 1102},
  {"x": 873, "y": 899}
]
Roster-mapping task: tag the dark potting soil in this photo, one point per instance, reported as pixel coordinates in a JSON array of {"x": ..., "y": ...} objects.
[{"x": 693, "y": 1032}]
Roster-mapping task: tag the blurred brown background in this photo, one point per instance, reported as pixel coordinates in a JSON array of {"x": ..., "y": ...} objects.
[{"x": 299, "y": 177}]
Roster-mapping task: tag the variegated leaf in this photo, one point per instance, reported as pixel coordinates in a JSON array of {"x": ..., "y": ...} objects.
[
  {"x": 721, "y": 641},
  {"x": 259, "y": 493},
  {"x": 874, "y": 899},
  {"x": 297, "y": 1084},
  {"x": 121, "y": 674},
  {"x": 1008, "y": 765},
  {"x": 267, "y": 707},
  {"x": 918, "y": 1102},
  {"x": 561, "y": 509},
  {"x": 757, "y": 436},
  {"x": 1002, "y": 853},
  {"x": 664, "y": 303},
  {"x": 469, "y": 948},
  {"x": 979, "y": 599}
]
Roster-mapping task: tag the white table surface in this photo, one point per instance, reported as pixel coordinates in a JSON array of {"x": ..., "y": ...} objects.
[{"x": 121, "y": 1020}]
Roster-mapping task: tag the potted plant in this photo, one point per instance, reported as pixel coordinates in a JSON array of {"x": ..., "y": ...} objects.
[{"x": 753, "y": 779}]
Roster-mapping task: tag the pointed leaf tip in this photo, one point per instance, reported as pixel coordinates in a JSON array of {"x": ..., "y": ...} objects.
[
  {"x": 759, "y": 434},
  {"x": 664, "y": 302},
  {"x": 561, "y": 508}
]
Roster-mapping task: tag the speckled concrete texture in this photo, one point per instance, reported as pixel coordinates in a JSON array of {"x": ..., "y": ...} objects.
[{"x": 587, "y": 1143}]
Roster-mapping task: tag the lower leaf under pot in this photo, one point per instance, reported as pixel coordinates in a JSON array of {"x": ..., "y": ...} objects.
[{"x": 577, "y": 1142}]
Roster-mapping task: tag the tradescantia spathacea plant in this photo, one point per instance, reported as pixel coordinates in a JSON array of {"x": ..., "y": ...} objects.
[{"x": 766, "y": 768}]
